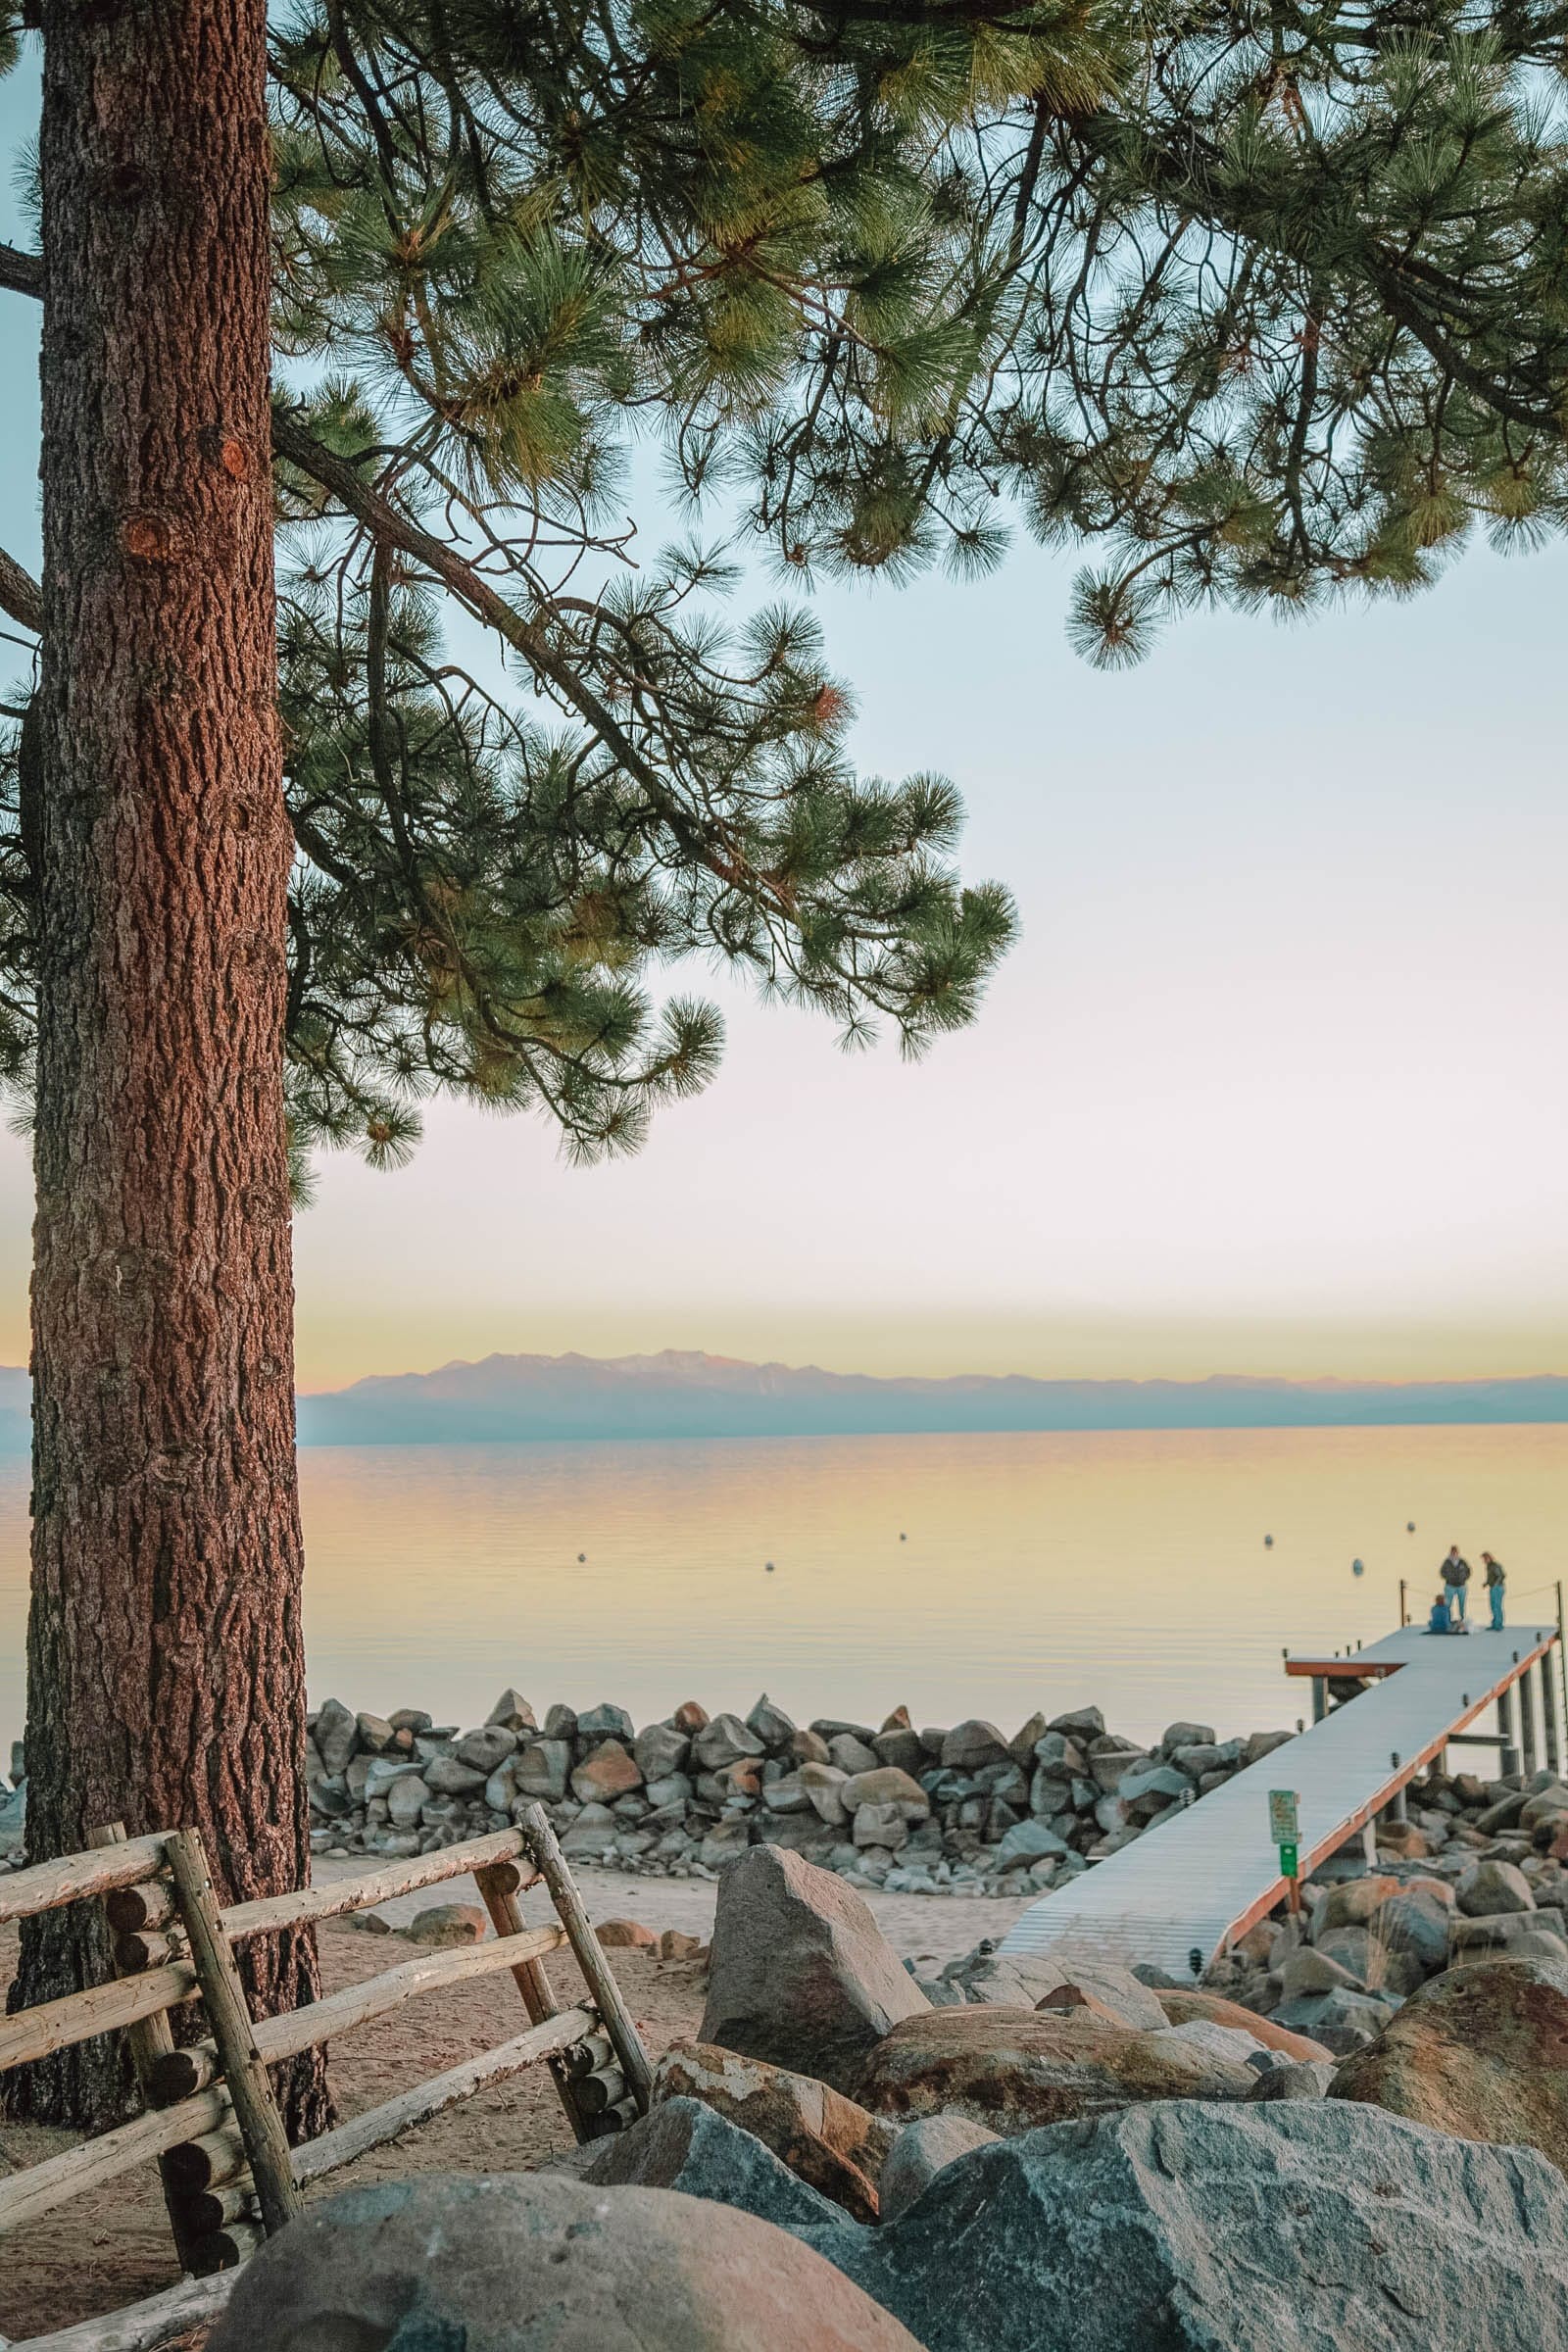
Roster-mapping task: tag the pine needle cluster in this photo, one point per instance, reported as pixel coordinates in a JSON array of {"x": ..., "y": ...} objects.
[{"x": 1272, "y": 301}]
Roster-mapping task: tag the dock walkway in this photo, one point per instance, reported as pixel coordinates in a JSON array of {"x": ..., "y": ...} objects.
[{"x": 1206, "y": 1874}]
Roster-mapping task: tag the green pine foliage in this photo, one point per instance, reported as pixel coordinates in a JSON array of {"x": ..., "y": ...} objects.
[{"x": 1271, "y": 301}]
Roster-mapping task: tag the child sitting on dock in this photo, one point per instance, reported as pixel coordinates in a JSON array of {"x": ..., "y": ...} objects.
[{"x": 1439, "y": 1620}]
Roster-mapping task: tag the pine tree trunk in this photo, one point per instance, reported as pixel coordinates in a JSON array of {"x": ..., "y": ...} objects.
[{"x": 166, "y": 1669}]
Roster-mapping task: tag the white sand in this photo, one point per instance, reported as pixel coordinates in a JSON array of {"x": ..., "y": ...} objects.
[{"x": 919, "y": 1927}]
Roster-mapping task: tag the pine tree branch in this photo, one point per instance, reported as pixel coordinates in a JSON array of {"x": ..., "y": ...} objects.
[
  {"x": 293, "y": 441},
  {"x": 19, "y": 594},
  {"x": 21, "y": 272}
]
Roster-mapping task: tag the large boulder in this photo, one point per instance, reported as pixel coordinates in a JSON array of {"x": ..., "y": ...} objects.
[
  {"x": 1342, "y": 2020},
  {"x": 920, "y": 2151},
  {"x": 1539, "y": 1933},
  {"x": 1181, "y": 2006},
  {"x": 972, "y": 1745},
  {"x": 685, "y": 2146},
  {"x": 723, "y": 1741},
  {"x": 1196, "y": 2228},
  {"x": 1481, "y": 2052},
  {"x": 1355, "y": 1901},
  {"x": 1023, "y": 1980},
  {"x": 660, "y": 1751},
  {"x": 1491, "y": 1887},
  {"x": 886, "y": 1785},
  {"x": 504, "y": 2262},
  {"x": 825, "y": 2138},
  {"x": 799, "y": 1973},
  {"x": 1414, "y": 1926},
  {"x": 1018, "y": 2068}
]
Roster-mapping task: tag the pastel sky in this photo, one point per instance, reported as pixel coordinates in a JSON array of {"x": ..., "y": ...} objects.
[{"x": 1273, "y": 1081}]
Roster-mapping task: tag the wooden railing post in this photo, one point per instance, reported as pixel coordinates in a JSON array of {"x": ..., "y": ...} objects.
[
  {"x": 228, "y": 2014},
  {"x": 1548, "y": 1708},
  {"x": 551, "y": 1864},
  {"x": 151, "y": 2038},
  {"x": 499, "y": 1887}
]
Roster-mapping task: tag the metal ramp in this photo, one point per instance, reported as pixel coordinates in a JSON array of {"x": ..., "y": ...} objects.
[{"x": 1209, "y": 1872}]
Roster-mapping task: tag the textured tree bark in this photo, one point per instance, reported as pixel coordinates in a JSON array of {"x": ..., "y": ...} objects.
[{"x": 166, "y": 1670}]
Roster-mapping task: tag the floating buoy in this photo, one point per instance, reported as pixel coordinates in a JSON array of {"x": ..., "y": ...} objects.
[
  {"x": 768, "y": 1565},
  {"x": 1269, "y": 1542},
  {"x": 903, "y": 1538},
  {"x": 1409, "y": 1526},
  {"x": 581, "y": 1557},
  {"x": 1358, "y": 1567}
]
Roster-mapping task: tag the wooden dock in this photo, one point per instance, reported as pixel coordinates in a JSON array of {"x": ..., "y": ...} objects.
[{"x": 1208, "y": 1871}]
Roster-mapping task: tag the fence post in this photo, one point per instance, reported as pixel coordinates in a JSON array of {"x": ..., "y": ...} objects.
[
  {"x": 228, "y": 2014},
  {"x": 1508, "y": 1760},
  {"x": 1548, "y": 1708},
  {"x": 548, "y": 1859},
  {"x": 151, "y": 2038},
  {"x": 497, "y": 1885},
  {"x": 1527, "y": 1718}
]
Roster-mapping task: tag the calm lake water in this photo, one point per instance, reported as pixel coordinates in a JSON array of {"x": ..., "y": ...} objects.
[{"x": 1128, "y": 1569}]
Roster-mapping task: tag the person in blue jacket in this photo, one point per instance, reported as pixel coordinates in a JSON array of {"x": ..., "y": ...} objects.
[{"x": 1439, "y": 1620}]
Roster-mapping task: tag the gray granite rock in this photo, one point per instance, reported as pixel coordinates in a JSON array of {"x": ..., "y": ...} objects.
[
  {"x": 922, "y": 2149},
  {"x": 685, "y": 2144},
  {"x": 336, "y": 1734},
  {"x": 799, "y": 1973},
  {"x": 1184, "y": 2226},
  {"x": 514, "y": 2262}
]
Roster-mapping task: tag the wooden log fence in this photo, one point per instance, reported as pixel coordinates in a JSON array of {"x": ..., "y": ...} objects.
[
  {"x": 212, "y": 2120},
  {"x": 151, "y": 2039}
]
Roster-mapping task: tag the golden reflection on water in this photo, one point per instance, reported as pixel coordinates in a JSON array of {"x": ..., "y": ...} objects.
[
  {"x": 1124, "y": 1568},
  {"x": 1038, "y": 1571}
]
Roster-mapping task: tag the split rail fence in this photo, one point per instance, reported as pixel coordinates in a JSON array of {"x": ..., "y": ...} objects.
[{"x": 211, "y": 2120}]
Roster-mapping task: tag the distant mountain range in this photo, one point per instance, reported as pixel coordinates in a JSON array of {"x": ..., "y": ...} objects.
[{"x": 682, "y": 1393}]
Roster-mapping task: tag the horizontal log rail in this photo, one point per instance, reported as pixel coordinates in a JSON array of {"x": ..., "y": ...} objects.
[
  {"x": 370, "y": 1886},
  {"x": 395, "y": 2116},
  {"x": 150, "y": 2326},
  {"x": 74, "y": 1877},
  {"x": 298, "y": 2030},
  {"x": 205, "y": 2122},
  {"x": 103, "y": 2008},
  {"x": 75, "y": 2171}
]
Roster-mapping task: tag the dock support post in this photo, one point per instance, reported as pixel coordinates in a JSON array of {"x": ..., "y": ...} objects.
[
  {"x": 1509, "y": 1761},
  {"x": 1369, "y": 1844},
  {"x": 1548, "y": 1709},
  {"x": 1527, "y": 1718},
  {"x": 1399, "y": 1808},
  {"x": 1320, "y": 1698}
]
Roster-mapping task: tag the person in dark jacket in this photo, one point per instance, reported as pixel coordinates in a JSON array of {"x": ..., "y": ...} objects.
[
  {"x": 1496, "y": 1579},
  {"x": 1455, "y": 1576}
]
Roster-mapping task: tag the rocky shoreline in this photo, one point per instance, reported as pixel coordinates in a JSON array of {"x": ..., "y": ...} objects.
[
  {"x": 939, "y": 1811},
  {"x": 960, "y": 1810},
  {"x": 963, "y": 1810},
  {"x": 1030, "y": 2151}
]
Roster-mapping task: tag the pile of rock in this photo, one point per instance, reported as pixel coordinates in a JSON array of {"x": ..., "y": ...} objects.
[
  {"x": 917, "y": 1811},
  {"x": 1479, "y": 1869},
  {"x": 1070, "y": 2160}
]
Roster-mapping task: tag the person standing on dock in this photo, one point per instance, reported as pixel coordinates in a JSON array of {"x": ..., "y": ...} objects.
[
  {"x": 1455, "y": 1576},
  {"x": 1496, "y": 1579}
]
